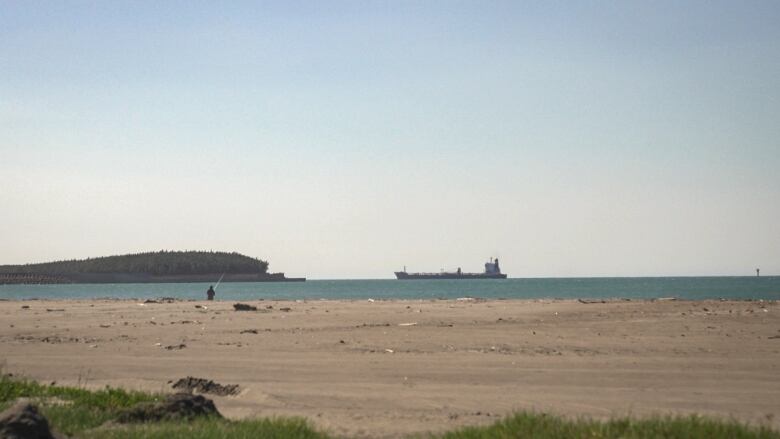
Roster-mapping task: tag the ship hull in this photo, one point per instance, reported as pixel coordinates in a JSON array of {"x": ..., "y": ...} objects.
[{"x": 402, "y": 275}]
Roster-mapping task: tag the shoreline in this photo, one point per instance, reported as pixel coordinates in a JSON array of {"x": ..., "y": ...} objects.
[{"x": 388, "y": 368}]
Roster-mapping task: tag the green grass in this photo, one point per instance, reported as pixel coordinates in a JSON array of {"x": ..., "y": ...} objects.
[
  {"x": 72, "y": 410},
  {"x": 104, "y": 399},
  {"x": 84, "y": 413},
  {"x": 81, "y": 413},
  {"x": 282, "y": 428},
  {"x": 541, "y": 426}
]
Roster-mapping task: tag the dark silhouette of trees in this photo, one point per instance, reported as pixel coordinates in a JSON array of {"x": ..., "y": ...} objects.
[{"x": 158, "y": 263}]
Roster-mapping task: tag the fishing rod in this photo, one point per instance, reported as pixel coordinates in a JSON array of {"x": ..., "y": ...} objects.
[{"x": 220, "y": 280}]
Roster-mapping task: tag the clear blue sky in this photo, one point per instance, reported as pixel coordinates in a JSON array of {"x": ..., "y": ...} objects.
[{"x": 347, "y": 139}]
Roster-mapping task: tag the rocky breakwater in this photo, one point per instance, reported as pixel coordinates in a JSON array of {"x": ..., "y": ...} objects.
[{"x": 32, "y": 279}]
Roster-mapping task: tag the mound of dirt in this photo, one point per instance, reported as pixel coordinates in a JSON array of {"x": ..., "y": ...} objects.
[
  {"x": 23, "y": 421},
  {"x": 202, "y": 385},
  {"x": 175, "y": 407}
]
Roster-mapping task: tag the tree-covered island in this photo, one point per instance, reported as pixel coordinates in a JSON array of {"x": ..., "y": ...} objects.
[{"x": 161, "y": 266}]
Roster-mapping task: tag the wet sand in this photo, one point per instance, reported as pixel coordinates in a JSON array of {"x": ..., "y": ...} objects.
[{"x": 390, "y": 368}]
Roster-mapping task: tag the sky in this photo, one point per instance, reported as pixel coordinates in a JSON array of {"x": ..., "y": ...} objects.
[{"x": 348, "y": 139}]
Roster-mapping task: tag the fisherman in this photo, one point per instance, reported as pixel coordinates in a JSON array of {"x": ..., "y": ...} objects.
[{"x": 210, "y": 293}]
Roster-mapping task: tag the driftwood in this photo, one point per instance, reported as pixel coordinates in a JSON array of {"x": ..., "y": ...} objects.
[
  {"x": 244, "y": 307},
  {"x": 202, "y": 385}
]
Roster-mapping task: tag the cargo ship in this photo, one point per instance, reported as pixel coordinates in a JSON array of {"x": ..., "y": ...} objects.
[{"x": 492, "y": 271}]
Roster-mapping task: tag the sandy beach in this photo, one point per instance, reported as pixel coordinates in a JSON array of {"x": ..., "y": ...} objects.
[{"x": 390, "y": 368}]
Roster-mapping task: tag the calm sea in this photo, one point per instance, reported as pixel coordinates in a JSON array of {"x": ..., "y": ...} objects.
[{"x": 694, "y": 288}]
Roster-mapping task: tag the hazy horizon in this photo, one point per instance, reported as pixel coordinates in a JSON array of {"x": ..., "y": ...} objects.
[
  {"x": 349, "y": 139},
  {"x": 411, "y": 270}
]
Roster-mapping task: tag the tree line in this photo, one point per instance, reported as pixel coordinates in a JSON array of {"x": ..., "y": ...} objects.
[{"x": 158, "y": 263}]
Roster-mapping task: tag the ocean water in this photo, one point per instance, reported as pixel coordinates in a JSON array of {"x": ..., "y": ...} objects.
[{"x": 693, "y": 288}]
